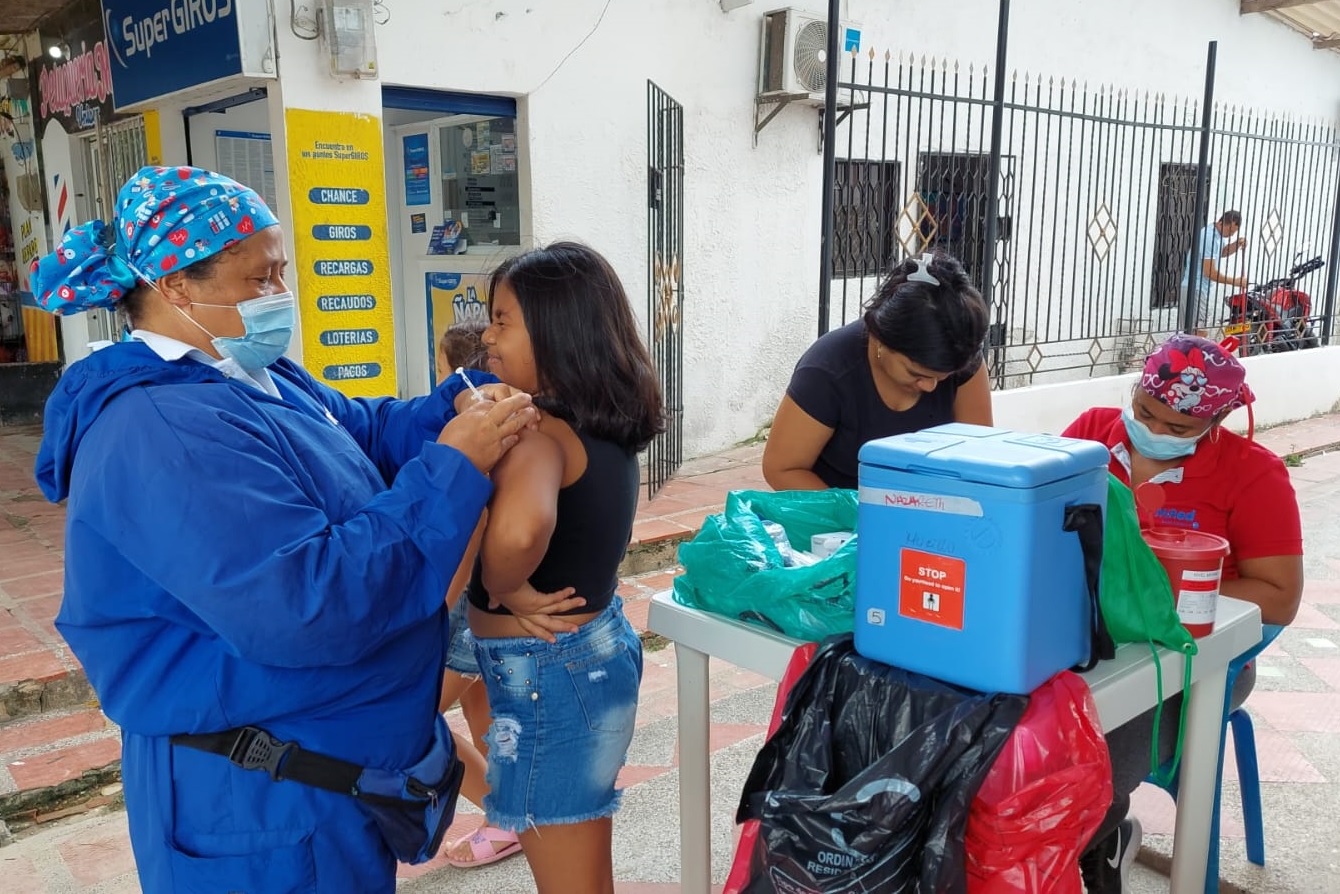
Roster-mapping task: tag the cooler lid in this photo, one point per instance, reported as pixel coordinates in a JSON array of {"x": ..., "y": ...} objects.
[{"x": 986, "y": 455}]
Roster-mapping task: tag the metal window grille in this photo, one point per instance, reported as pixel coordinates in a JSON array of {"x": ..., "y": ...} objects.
[
  {"x": 1096, "y": 197},
  {"x": 866, "y": 195}
]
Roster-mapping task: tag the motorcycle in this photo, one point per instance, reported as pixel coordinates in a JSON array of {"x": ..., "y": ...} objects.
[{"x": 1274, "y": 316}]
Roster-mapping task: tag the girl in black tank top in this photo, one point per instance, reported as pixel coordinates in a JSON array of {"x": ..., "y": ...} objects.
[
  {"x": 593, "y": 524},
  {"x": 560, "y": 661}
]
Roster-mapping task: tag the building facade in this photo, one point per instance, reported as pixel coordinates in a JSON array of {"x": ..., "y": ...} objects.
[{"x": 408, "y": 146}]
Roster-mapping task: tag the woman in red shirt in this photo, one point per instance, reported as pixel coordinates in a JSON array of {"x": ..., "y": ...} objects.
[{"x": 1187, "y": 471}]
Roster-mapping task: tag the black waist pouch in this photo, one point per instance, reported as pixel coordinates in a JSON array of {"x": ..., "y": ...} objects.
[{"x": 413, "y": 808}]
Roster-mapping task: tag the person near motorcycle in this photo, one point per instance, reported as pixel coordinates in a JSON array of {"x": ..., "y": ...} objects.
[
  {"x": 1188, "y": 471},
  {"x": 1219, "y": 240}
]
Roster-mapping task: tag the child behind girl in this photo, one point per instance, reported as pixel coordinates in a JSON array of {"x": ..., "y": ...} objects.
[{"x": 460, "y": 346}]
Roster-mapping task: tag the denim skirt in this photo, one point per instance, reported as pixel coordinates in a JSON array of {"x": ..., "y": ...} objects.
[{"x": 563, "y": 716}]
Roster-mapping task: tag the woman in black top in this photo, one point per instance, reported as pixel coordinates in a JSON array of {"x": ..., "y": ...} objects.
[
  {"x": 913, "y": 362},
  {"x": 562, "y": 670}
]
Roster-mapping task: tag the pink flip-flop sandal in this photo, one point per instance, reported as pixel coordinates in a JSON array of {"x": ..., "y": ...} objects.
[{"x": 482, "y": 850}]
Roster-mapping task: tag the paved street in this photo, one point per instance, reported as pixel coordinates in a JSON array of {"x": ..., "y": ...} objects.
[{"x": 1296, "y": 711}]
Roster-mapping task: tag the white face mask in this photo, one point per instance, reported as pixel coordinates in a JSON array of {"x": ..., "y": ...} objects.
[{"x": 1158, "y": 447}]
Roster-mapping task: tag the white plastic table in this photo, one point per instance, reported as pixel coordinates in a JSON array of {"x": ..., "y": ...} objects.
[{"x": 1123, "y": 688}]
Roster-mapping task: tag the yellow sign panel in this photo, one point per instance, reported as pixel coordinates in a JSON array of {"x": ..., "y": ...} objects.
[
  {"x": 338, "y": 193},
  {"x": 153, "y": 137}
]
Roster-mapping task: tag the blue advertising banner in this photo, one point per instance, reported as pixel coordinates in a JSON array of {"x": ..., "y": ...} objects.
[
  {"x": 158, "y": 47},
  {"x": 418, "y": 190}
]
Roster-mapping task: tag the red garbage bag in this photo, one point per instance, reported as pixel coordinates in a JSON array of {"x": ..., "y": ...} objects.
[
  {"x": 744, "y": 848},
  {"x": 1044, "y": 798}
]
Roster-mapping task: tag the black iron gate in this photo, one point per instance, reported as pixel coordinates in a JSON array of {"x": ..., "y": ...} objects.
[
  {"x": 1173, "y": 229},
  {"x": 665, "y": 275},
  {"x": 1095, "y": 203}
]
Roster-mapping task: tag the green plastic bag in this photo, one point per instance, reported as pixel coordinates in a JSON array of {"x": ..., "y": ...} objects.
[
  {"x": 1138, "y": 603},
  {"x": 1137, "y": 598},
  {"x": 733, "y": 567}
]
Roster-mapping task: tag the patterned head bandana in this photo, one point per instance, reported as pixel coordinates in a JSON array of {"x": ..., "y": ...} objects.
[
  {"x": 166, "y": 219},
  {"x": 1196, "y": 377}
]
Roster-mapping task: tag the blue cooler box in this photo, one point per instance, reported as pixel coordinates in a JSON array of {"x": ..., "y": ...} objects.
[{"x": 964, "y": 571}]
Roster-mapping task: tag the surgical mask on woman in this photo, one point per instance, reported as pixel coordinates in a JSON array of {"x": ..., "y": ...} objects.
[
  {"x": 1157, "y": 447},
  {"x": 269, "y": 323}
]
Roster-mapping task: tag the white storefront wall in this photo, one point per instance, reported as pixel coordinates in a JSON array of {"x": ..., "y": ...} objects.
[
  {"x": 751, "y": 257},
  {"x": 752, "y": 215},
  {"x": 579, "y": 71},
  {"x": 1288, "y": 387}
]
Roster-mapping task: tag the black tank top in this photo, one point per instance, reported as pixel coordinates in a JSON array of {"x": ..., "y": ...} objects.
[
  {"x": 591, "y": 533},
  {"x": 833, "y": 384}
]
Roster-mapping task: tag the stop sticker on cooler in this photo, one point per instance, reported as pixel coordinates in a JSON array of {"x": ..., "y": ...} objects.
[{"x": 931, "y": 588}]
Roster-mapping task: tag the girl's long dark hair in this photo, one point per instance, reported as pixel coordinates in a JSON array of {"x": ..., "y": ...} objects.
[{"x": 593, "y": 368}]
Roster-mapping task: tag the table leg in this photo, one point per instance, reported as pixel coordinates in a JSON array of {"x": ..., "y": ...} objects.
[
  {"x": 1196, "y": 788},
  {"x": 695, "y": 783}
]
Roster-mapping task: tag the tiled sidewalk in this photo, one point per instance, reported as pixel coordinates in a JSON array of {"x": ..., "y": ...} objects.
[
  {"x": 1296, "y": 714},
  {"x": 697, "y": 490},
  {"x": 51, "y": 732},
  {"x": 62, "y": 739}
]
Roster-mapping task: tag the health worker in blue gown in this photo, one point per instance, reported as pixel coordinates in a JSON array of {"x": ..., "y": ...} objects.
[{"x": 255, "y": 563}]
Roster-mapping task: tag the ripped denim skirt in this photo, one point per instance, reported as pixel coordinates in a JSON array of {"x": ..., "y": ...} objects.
[{"x": 563, "y": 717}]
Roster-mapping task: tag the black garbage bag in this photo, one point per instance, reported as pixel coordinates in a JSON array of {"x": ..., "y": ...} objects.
[{"x": 867, "y": 783}]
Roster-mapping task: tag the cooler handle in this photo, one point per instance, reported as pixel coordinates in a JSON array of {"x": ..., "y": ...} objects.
[
  {"x": 933, "y": 472},
  {"x": 1086, "y": 520}
]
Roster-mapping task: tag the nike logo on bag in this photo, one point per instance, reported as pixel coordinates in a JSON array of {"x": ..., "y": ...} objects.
[{"x": 1115, "y": 860}]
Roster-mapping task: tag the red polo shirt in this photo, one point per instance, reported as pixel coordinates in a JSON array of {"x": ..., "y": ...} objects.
[{"x": 1230, "y": 486}]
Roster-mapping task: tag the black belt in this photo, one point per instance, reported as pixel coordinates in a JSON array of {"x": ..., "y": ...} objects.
[{"x": 252, "y": 748}]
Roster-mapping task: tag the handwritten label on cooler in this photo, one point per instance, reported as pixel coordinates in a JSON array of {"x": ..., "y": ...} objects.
[
  {"x": 931, "y": 588},
  {"x": 905, "y": 499}
]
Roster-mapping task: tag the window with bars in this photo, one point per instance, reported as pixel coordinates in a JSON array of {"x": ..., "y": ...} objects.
[{"x": 865, "y": 217}]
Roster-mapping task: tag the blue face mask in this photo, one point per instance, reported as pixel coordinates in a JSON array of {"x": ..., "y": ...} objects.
[
  {"x": 269, "y": 323},
  {"x": 1157, "y": 447}
]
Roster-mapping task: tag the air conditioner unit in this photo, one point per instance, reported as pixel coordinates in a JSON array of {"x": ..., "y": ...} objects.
[{"x": 793, "y": 61}]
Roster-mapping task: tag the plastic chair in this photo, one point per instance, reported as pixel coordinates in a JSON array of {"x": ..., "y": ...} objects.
[{"x": 1249, "y": 777}]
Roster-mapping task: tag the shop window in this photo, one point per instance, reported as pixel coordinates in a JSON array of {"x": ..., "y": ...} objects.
[
  {"x": 480, "y": 187},
  {"x": 12, "y": 345}
]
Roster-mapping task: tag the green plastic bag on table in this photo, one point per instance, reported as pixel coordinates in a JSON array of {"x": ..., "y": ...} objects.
[
  {"x": 1138, "y": 603},
  {"x": 734, "y": 568}
]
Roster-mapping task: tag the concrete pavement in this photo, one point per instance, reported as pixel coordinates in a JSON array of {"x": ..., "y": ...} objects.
[{"x": 1296, "y": 711}]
